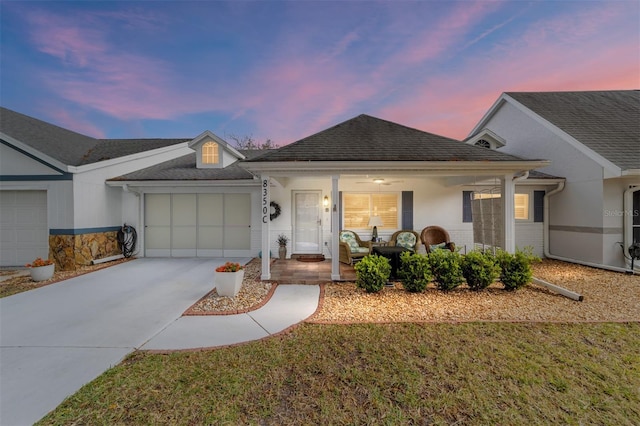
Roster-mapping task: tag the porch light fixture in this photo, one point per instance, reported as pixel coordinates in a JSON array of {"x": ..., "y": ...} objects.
[
  {"x": 325, "y": 203},
  {"x": 375, "y": 221},
  {"x": 378, "y": 181}
]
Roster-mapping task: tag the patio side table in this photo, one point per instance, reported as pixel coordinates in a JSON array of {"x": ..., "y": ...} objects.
[{"x": 393, "y": 254}]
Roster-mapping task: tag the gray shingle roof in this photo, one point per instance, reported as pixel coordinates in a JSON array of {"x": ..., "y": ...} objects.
[
  {"x": 71, "y": 148},
  {"x": 608, "y": 122},
  {"x": 184, "y": 168},
  {"x": 366, "y": 138}
]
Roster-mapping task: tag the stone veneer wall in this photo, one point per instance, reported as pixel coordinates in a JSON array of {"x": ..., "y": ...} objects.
[{"x": 72, "y": 251}]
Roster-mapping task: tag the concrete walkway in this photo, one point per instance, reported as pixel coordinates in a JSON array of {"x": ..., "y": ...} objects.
[{"x": 59, "y": 337}]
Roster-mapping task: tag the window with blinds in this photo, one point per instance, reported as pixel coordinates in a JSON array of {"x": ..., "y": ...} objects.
[
  {"x": 521, "y": 206},
  {"x": 358, "y": 208}
]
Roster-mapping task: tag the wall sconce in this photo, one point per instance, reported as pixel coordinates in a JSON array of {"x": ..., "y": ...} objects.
[{"x": 325, "y": 203}]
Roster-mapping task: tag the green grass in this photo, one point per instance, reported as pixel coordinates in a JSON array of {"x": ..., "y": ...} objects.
[{"x": 475, "y": 373}]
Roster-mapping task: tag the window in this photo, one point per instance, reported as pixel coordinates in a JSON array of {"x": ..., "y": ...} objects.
[
  {"x": 210, "y": 153},
  {"x": 483, "y": 143},
  {"x": 521, "y": 206},
  {"x": 358, "y": 208}
]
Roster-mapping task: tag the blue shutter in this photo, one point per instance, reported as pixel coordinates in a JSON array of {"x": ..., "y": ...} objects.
[
  {"x": 407, "y": 209},
  {"x": 466, "y": 206},
  {"x": 538, "y": 206}
]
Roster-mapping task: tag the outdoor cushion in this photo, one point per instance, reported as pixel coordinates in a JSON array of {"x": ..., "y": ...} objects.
[
  {"x": 441, "y": 246},
  {"x": 406, "y": 240},
  {"x": 350, "y": 239},
  {"x": 360, "y": 249}
]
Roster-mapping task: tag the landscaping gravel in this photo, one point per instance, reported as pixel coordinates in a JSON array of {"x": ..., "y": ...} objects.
[{"x": 608, "y": 296}]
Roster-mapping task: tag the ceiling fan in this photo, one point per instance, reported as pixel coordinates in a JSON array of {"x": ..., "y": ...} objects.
[{"x": 380, "y": 181}]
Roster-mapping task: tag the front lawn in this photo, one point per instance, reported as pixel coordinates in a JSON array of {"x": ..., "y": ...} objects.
[{"x": 472, "y": 373}]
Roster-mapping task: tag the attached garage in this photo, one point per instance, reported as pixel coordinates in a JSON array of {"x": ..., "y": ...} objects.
[
  {"x": 197, "y": 225},
  {"x": 24, "y": 233}
]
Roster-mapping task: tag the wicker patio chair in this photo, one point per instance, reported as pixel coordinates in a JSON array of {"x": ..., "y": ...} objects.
[
  {"x": 352, "y": 248},
  {"x": 435, "y": 237},
  {"x": 406, "y": 238}
]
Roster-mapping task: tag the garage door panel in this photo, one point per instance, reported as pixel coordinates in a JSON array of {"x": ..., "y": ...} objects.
[
  {"x": 237, "y": 239},
  {"x": 157, "y": 209},
  {"x": 237, "y": 210},
  {"x": 210, "y": 237},
  {"x": 183, "y": 210},
  {"x": 183, "y": 237},
  {"x": 24, "y": 232},
  {"x": 197, "y": 224},
  {"x": 210, "y": 209},
  {"x": 158, "y": 238}
]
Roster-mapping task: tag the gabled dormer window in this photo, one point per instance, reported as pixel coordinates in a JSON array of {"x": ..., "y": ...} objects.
[
  {"x": 483, "y": 143},
  {"x": 486, "y": 139},
  {"x": 210, "y": 153}
]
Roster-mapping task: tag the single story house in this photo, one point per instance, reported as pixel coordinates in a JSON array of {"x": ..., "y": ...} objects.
[
  {"x": 593, "y": 140},
  {"x": 66, "y": 195}
]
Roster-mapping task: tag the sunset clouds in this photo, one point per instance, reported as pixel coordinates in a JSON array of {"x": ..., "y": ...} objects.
[{"x": 285, "y": 70}]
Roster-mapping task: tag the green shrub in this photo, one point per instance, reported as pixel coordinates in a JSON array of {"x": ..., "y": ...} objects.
[
  {"x": 516, "y": 268},
  {"x": 372, "y": 273},
  {"x": 414, "y": 272},
  {"x": 479, "y": 269},
  {"x": 446, "y": 268}
]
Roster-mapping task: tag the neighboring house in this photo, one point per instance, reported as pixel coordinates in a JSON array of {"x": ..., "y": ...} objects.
[
  {"x": 202, "y": 197},
  {"x": 53, "y": 197},
  {"x": 593, "y": 140}
]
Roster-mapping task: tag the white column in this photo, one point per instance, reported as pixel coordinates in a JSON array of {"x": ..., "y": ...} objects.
[
  {"x": 335, "y": 222},
  {"x": 265, "y": 214},
  {"x": 508, "y": 189}
]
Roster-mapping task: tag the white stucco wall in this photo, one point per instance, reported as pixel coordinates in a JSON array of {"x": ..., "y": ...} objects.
[
  {"x": 99, "y": 205},
  {"x": 578, "y": 227}
]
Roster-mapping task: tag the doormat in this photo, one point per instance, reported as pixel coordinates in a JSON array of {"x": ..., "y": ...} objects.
[{"x": 310, "y": 257}]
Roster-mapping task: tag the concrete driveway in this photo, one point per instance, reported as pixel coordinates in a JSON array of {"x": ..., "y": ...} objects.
[{"x": 56, "y": 338}]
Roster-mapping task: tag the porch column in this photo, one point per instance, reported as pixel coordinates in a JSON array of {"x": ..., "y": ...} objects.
[
  {"x": 265, "y": 213},
  {"x": 508, "y": 189},
  {"x": 335, "y": 221}
]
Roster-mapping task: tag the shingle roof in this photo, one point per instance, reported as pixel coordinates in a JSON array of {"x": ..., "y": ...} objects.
[
  {"x": 71, "y": 148},
  {"x": 184, "y": 168},
  {"x": 608, "y": 122},
  {"x": 366, "y": 138}
]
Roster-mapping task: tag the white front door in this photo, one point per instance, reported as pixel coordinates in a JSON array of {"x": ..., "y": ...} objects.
[{"x": 307, "y": 222}]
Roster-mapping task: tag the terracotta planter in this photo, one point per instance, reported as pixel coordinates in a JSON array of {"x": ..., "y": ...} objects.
[
  {"x": 229, "y": 283},
  {"x": 42, "y": 273}
]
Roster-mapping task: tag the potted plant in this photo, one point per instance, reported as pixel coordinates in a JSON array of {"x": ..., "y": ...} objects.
[
  {"x": 41, "y": 269},
  {"x": 282, "y": 244},
  {"x": 228, "y": 279}
]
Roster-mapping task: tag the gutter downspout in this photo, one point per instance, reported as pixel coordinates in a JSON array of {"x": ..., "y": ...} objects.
[
  {"x": 627, "y": 223},
  {"x": 548, "y": 254},
  {"x": 138, "y": 194}
]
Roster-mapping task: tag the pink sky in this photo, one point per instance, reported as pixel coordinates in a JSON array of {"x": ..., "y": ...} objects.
[{"x": 170, "y": 71}]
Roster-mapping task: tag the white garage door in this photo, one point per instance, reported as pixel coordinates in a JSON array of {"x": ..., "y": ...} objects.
[
  {"x": 197, "y": 225},
  {"x": 24, "y": 234}
]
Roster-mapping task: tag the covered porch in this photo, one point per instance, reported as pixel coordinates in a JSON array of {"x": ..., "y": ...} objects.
[{"x": 293, "y": 271}]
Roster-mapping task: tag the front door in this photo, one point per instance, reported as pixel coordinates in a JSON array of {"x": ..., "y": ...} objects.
[{"x": 307, "y": 222}]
